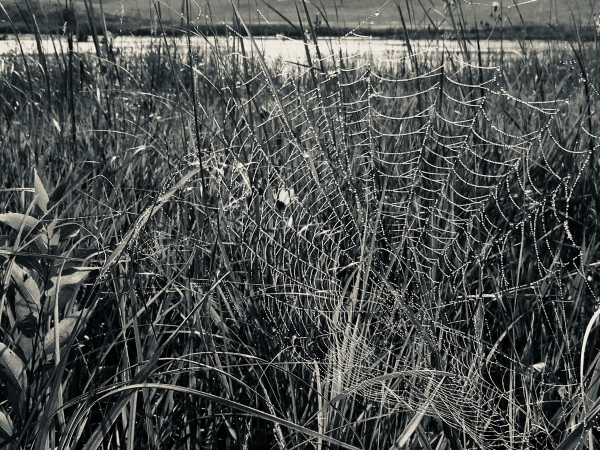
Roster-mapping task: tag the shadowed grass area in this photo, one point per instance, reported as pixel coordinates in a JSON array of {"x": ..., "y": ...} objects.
[{"x": 354, "y": 253}]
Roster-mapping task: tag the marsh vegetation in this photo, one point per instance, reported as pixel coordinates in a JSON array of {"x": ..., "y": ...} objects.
[{"x": 351, "y": 252}]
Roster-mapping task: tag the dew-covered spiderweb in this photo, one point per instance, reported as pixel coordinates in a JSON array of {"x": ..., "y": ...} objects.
[{"x": 404, "y": 226}]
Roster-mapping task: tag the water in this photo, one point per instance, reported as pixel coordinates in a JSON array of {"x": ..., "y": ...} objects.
[{"x": 282, "y": 48}]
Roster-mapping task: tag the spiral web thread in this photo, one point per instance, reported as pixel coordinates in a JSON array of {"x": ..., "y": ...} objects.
[{"x": 383, "y": 217}]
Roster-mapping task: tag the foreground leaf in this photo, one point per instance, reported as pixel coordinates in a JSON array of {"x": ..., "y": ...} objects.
[
  {"x": 31, "y": 262},
  {"x": 28, "y": 299},
  {"x": 40, "y": 192},
  {"x": 69, "y": 283},
  {"x": 27, "y": 347},
  {"x": 28, "y": 325},
  {"x": 68, "y": 231},
  {"x": 6, "y": 427},
  {"x": 12, "y": 369},
  {"x": 73, "y": 276},
  {"x": 15, "y": 220},
  {"x": 65, "y": 330}
]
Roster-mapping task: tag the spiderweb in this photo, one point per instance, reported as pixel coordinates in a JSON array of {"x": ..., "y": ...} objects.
[{"x": 394, "y": 220}]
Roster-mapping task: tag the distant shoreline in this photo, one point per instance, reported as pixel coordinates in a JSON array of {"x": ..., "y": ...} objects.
[{"x": 534, "y": 32}]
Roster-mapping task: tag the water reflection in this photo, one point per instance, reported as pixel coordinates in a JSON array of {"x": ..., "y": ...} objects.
[{"x": 280, "y": 47}]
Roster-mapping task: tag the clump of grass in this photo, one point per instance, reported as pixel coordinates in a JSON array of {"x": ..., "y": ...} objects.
[{"x": 353, "y": 253}]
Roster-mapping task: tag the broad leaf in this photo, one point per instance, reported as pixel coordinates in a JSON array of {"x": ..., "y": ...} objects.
[
  {"x": 51, "y": 237},
  {"x": 65, "y": 294},
  {"x": 12, "y": 369},
  {"x": 65, "y": 330},
  {"x": 31, "y": 263},
  {"x": 28, "y": 325},
  {"x": 24, "y": 309},
  {"x": 15, "y": 220},
  {"x": 54, "y": 238},
  {"x": 25, "y": 348},
  {"x": 69, "y": 285},
  {"x": 68, "y": 231},
  {"x": 39, "y": 245},
  {"x": 6, "y": 427},
  {"x": 68, "y": 276},
  {"x": 40, "y": 192},
  {"x": 65, "y": 268},
  {"x": 28, "y": 302},
  {"x": 76, "y": 276}
]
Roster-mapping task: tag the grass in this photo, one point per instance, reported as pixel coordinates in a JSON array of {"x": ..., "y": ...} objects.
[{"x": 354, "y": 253}]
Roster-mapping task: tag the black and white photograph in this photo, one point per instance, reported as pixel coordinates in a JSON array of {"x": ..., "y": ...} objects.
[{"x": 299, "y": 224}]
